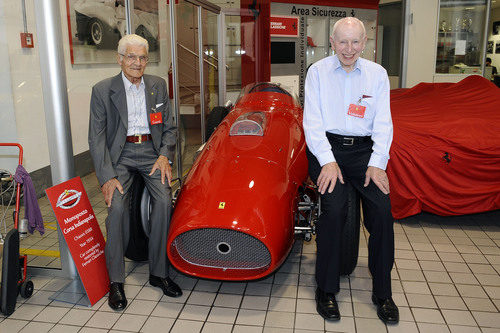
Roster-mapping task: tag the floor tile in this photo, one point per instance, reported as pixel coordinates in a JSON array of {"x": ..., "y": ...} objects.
[
  {"x": 280, "y": 319},
  {"x": 157, "y": 324},
  {"x": 51, "y": 314},
  {"x": 487, "y": 319},
  {"x": 216, "y": 328},
  {"x": 345, "y": 324},
  {"x": 421, "y": 301},
  {"x": 37, "y": 327},
  {"x": 458, "y": 317},
  {"x": 427, "y": 316},
  {"x": 251, "y": 317},
  {"x": 12, "y": 325},
  {"x": 194, "y": 312},
  {"x": 222, "y": 315},
  {"x": 309, "y": 321},
  {"x": 27, "y": 311},
  {"x": 184, "y": 326},
  {"x": 255, "y": 302},
  {"x": 228, "y": 300},
  {"x": 103, "y": 319},
  {"x": 370, "y": 325},
  {"x": 76, "y": 317},
  {"x": 282, "y": 304},
  {"x": 479, "y": 304},
  {"x": 130, "y": 322}
]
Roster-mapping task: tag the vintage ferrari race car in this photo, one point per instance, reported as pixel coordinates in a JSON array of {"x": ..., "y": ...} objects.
[{"x": 244, "y": 201}]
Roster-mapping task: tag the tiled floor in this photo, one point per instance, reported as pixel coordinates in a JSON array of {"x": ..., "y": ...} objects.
[{"x": 445, "y": 279}]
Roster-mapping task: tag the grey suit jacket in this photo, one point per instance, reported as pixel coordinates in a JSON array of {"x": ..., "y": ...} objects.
[{"x": 109, "y": 122}]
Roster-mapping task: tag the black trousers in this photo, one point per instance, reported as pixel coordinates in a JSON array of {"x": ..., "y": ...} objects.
[{"x": 353, "y": 162}]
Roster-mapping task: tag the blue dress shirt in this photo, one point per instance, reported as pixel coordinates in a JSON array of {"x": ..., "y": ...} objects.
[
  {"x": 329, "y": 90},
  {"x": 136, "y": 107}
]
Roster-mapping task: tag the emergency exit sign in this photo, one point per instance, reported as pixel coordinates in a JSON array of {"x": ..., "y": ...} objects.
[{"x": 284, "y": 26}]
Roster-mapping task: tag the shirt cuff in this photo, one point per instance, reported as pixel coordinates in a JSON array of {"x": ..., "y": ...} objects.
[
  {"x": 326, "y": 157},
  {"x": 378, "y": 161}
]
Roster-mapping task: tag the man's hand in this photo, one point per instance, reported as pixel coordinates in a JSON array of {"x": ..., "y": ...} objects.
[
  {"x": 379, "y": 177},
  {"x": 328, "y": 177},
  {"x": 109, "y": 188},
  {"x": 165, "y": 169}
]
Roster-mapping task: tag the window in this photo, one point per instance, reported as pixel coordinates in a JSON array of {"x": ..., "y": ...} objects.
[{"x": 460, "y": 36}]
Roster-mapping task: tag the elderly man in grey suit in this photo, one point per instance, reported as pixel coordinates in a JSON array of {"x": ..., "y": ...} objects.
[{"x": 132, "y": 132}]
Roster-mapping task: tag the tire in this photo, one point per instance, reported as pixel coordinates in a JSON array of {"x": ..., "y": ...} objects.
[
  {"x": 350, "y": 234},
  {"x": 137, "y": 248},
  {"x": 26, "y": 289},
  {"x": 215, "y": 117},
  {"x": 144, "y": 33},
  {"x": 101, "y": 35}
]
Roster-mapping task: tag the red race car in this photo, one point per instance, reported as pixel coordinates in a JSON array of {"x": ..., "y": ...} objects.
[{"x": 244, "y": 201}]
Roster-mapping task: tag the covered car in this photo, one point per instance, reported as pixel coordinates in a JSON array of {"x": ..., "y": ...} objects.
[{"x": 445, "y": 155}]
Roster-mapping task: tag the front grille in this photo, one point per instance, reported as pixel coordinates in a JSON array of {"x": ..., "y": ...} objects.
[{"x": 222, "y": 248}]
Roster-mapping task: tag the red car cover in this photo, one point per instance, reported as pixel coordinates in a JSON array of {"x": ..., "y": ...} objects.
[{"x": 445, "y": 156}]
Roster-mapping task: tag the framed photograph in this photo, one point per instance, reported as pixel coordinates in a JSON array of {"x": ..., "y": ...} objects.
[
  {"x": 489, "y": 47},
  {"x": 496, "y": 28},
  {"x": 96, "y": 26},
  {"x": 497, "y": 47}
]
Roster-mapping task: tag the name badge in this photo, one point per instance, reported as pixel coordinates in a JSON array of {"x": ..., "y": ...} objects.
[
  {"x": 356, "y": 110},
  {"x": 155, "y": 118}
]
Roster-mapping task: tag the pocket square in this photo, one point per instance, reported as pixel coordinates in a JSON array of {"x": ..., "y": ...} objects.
[{"x": 158, "y": 105}]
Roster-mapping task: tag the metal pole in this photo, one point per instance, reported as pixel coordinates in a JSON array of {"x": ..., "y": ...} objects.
[
  {"x": 175, "y": 82},
  {"x": 406, "y": 20},
  {"x": 202, "y": 81},
  {"x": 55, "y": 100},
  {"x": 221, "y": 22},
  {"x": 485, "y": 37},
  {"x": 129, "y": 4}
]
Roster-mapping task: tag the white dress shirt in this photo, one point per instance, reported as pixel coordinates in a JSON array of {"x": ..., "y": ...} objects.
[
  {"x": 329, "y": 90},
  {"x": 136, "y": 106}
]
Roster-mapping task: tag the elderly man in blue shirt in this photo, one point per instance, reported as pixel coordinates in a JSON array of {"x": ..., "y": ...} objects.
[{"x": 348, "y": 129}]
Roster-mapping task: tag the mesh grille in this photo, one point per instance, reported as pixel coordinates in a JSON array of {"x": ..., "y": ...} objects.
[{"x": 222, "y": 248}]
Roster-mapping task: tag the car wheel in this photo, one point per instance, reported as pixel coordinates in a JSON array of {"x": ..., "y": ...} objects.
[
  {"x": 137, "y": 248},
  {"x": 214, "y": 118},
  {"x": 350, "y": 234},
  {"x": 144, "y": 33},
  {"x": 101, "y": 35}
]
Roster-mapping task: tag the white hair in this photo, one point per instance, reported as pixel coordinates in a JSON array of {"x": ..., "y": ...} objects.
[
  {"x": 347, "y": 20},
  {"x": 131, "y": 39}
]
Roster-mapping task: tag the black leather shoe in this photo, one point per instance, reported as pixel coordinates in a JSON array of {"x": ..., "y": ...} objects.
[
  {"x": 169, "y": 287},
  {"x": 117, "y": 299},
  {"x": 326, "y": 305},
  {"x": 387, "y": 311}
]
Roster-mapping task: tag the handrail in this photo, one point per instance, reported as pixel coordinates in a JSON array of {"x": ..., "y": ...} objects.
[{"x": 205, "y": 60}]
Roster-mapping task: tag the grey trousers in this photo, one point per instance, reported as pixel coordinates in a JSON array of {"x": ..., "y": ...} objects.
[{"x": 138, "y": 158}]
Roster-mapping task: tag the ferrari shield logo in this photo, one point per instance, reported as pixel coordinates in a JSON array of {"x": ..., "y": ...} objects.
[{"x": 222, "y": 204}]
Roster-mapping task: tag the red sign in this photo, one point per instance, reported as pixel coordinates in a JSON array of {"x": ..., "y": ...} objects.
[
  {"x": 284, "y": 26},
  {"x": 82, "y": 234}
]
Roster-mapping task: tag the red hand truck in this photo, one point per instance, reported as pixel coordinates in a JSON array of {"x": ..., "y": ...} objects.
[{"x": 14, "y": 266}]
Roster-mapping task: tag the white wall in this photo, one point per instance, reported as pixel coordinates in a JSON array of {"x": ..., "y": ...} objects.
[
  {"x": 422, "y": 41},
  {"x": 8, "y": 132},
  {"x": 26, "y": 85}
]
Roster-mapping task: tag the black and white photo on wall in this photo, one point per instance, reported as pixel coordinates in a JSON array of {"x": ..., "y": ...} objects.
[
  {"x": 489, "y": 47},
  {"x": 497, "y": 47},
  {"x": 496, "y": 28}
]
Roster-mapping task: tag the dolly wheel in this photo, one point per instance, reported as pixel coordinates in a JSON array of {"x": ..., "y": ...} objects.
[{"x": 27, "y": 289}]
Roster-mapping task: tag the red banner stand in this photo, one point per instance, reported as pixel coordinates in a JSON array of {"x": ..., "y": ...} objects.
[{"x": 83, "y": 236}]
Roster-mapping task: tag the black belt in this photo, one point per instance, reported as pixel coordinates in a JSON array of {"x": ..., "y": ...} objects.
[{"x": 348, "y": 140}]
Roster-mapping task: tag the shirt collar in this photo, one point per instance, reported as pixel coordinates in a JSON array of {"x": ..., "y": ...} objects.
[
  {"x": 337, "y": 64},
  {"x": 129, "y": 84}
]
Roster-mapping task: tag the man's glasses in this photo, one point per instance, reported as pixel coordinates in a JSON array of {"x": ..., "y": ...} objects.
[{"x": 133, "y": 58}]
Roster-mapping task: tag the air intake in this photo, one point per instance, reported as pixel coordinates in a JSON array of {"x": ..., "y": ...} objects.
[{"x": 222, "y": 248}]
